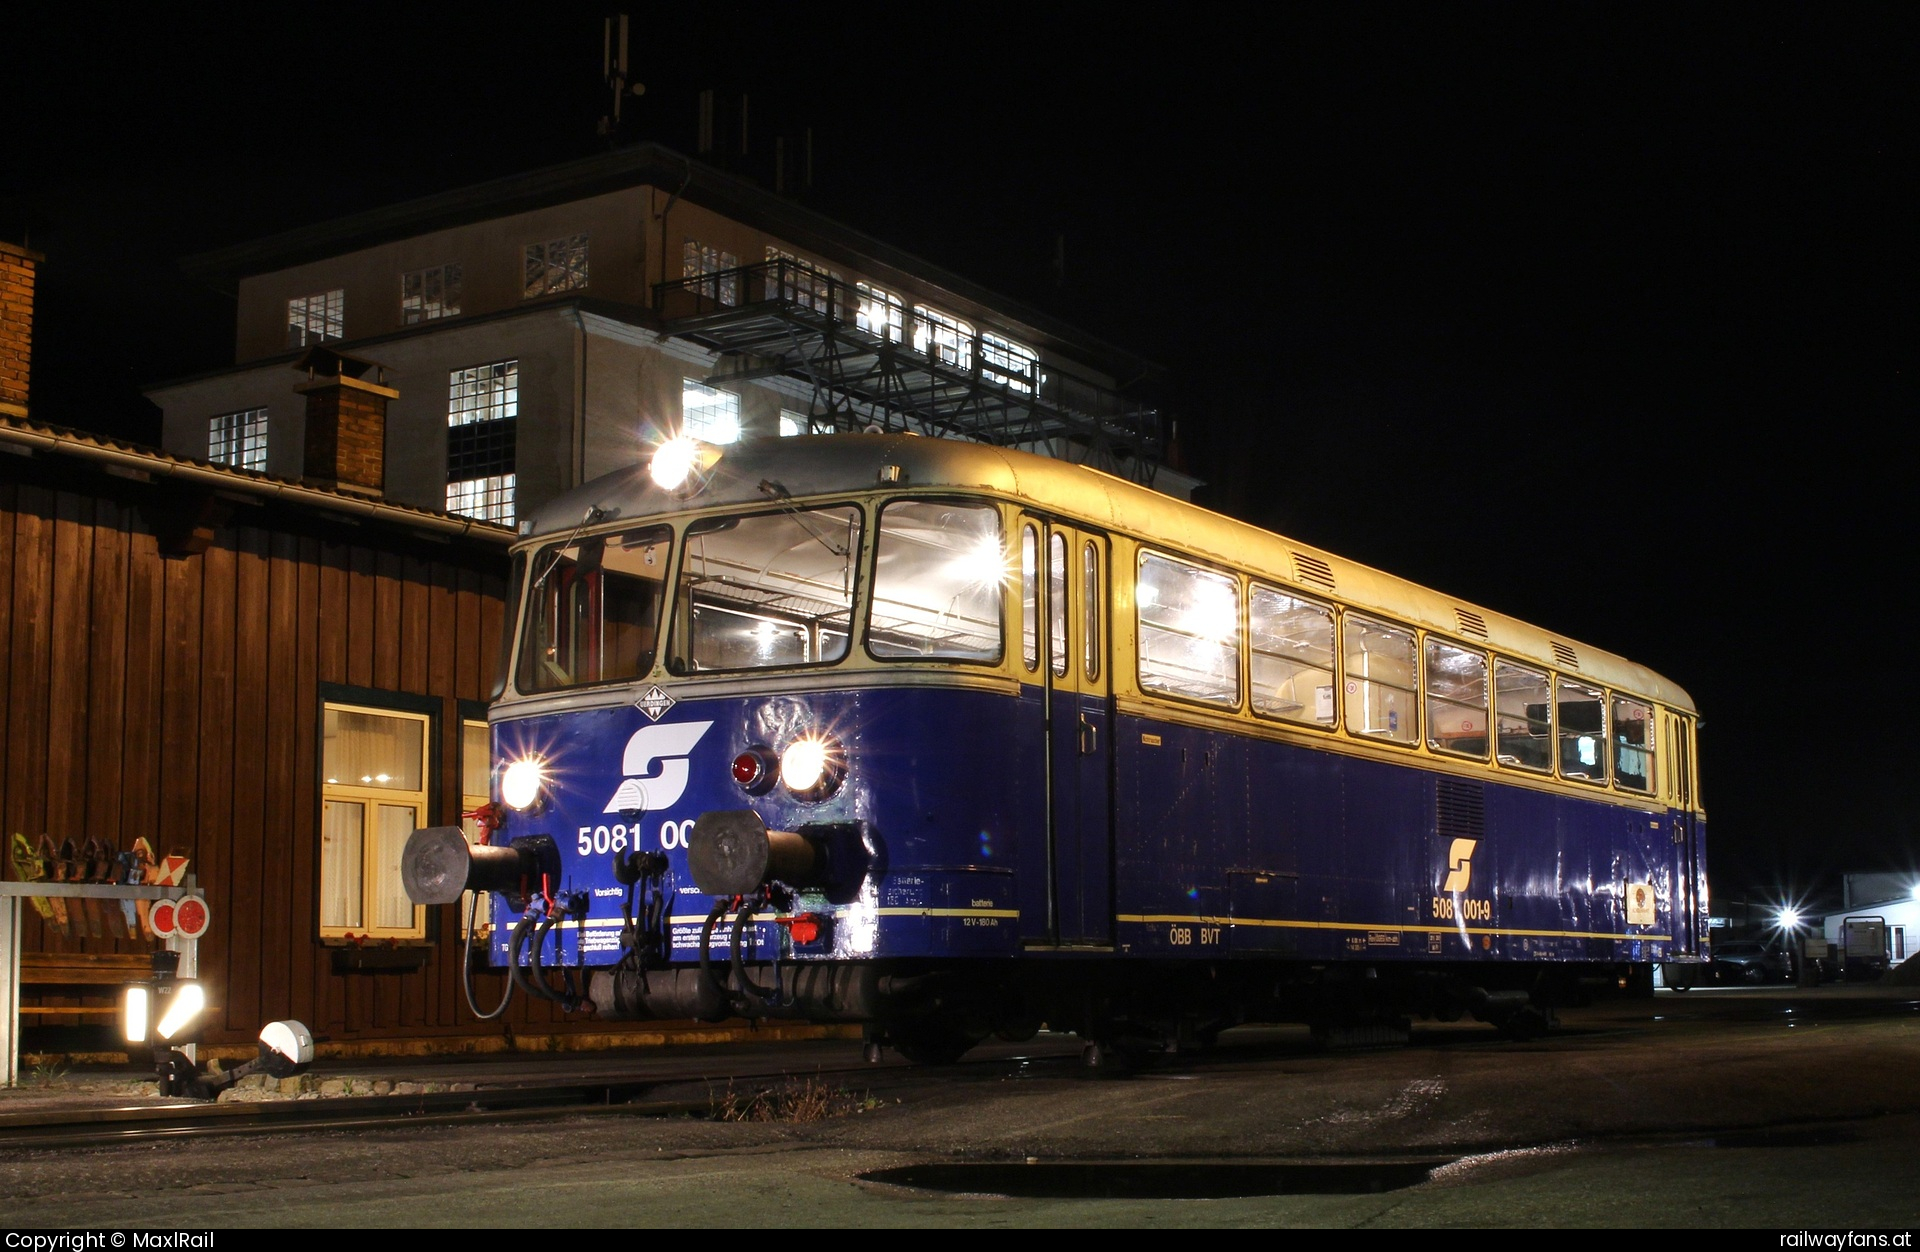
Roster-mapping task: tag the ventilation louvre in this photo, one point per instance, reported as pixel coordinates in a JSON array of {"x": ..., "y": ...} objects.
[
  {"x": 1565, "y": 655},
  {"x": 1460, "y": 809},
  {"x": 1471, "y": 623},
  {"x": 1311, "y": 569}
]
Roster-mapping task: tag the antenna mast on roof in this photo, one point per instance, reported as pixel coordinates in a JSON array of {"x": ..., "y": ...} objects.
[{"x": 613, "y": 71}]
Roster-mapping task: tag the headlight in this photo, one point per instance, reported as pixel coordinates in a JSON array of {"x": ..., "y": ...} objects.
[
  {"x": 677, "y": 462},
  {"x": 521, "y": 783},
  {"x": 813, "y": 768}
]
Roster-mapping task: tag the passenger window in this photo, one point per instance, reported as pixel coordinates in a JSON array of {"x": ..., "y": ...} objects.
[
  {"x": 1633, "y": 756},
  {"x": 1090, "y": 594},
  {"x": 1057, "y": 604},
  {"x": 1189, "y": 630},
  {"x": 1030, "y": 597},
  {"x": 1580, "y": 713},
  {"x": 1380, "y": 675},
  {"x": 1290, "y": 647},
  {"x": 1522, "y": 721},
  {"x": 1456, "y": 700},
  {"x": 939, "y": 577}
]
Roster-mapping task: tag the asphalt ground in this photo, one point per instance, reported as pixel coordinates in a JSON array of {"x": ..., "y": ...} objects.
[{"x": 1775, "y": 1109}]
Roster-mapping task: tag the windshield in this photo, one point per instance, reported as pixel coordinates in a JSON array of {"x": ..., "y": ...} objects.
[
  {"x": 593, "y": 611},
  {"x": 767, "y": 589}
]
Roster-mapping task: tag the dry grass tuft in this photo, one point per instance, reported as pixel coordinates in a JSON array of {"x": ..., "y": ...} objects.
[{"x": 808, "y": 1100}]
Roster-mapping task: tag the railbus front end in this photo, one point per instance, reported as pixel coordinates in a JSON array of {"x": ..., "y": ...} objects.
[{"x": 950, "y": 741}]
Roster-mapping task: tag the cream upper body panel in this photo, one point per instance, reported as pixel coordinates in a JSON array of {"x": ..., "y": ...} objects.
[{"x": 767, "y": 471}]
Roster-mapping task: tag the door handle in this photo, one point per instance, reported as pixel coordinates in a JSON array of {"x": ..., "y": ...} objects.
[{"x": 1089, "y": 737}]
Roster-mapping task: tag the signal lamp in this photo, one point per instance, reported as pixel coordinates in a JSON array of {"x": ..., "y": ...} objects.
[{"x": 756, "y": 770}]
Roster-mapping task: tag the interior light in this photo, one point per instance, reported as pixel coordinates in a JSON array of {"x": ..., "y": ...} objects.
[
  {"x": 183, "y": 1007},
  {"x": 983, "y": 564},
  {"x": 521, "y": 782}
]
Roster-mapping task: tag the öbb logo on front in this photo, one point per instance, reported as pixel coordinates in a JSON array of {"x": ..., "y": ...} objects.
[{"x": 647, "y": 789}]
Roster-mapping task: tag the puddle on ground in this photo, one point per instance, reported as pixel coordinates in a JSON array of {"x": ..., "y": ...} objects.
[{"x": 1154, "y": 1180}]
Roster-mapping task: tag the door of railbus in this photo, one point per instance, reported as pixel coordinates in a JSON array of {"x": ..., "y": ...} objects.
[
  {"x": 1687, "y": 869},
  {"x": 1075, "y": 655}
]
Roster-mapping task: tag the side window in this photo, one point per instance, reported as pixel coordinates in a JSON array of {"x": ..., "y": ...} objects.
[
  {"x": 593, "y": 612},
  {"x": 1189, "y": 630},
  {"x": 1090, "y": 595},
  {"x": 1290, "y": 647},
  {"x": 1633, "y": 755},
  {"x": 1030, "y": 597},
  {"x": 765, "y": 590},
  {"x": 939, "y": 579},
  {"x": 373, "y": 794},
  {"x": 1580, "y": 716},
  {"x": 1057, "y": 604},
  {"x": 1380, "y": 666},
  {"x": 1523, "y": 719},
  {"x": 1456, "y": 699}
]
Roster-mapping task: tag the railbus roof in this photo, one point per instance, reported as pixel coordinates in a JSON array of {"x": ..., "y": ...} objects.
[{"x": 760, "y": 471}]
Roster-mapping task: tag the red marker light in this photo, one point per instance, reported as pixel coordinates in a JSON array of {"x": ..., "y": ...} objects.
[{"x": 755, "y": 770}]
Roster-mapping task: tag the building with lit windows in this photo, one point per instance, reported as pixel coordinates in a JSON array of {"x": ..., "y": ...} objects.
[{"x": 534, "y": 331}]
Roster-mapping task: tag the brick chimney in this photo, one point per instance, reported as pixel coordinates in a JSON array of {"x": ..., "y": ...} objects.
[
  {"x": 346, "y": 421},
  {"x": 17, "y": 266}
]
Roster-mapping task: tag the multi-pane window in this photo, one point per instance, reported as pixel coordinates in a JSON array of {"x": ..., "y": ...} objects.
[
  {"x": 804, "y": 283},
  {"x": 708, "y": 413},
  {"x": 1030, "y": 597},
  {"x": 948, "y": 340},
  {"x": 881, "y": 313},
  {"x": 239, "y": 439},
  {"x": 556, "y": 265},
  {"x": 483, "y": 405},
  {"x": 1524, "y": 727},
  {"x": 1189, "y": 630},
  {"x": 1632, "y": 744},
  {"x": 1380, "y": 680},
  {"x": 373, "y": 795},
  {"x": 794, "y": 422},
  {"x": 1013, "y": 365},
  {"x": 718, "y": 271},
  {"x": 1456, "y": 699},
  {"x": 431, "y": 293},
  {"x": 1292, "y": 657},
  {"x": 317, "y": 318},
  {"x": 938, "y": 581},
  {"x": 1580, "y": 719}
]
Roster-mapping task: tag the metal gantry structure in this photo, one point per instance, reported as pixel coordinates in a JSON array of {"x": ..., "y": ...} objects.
[{"x": 871, "y": 362}]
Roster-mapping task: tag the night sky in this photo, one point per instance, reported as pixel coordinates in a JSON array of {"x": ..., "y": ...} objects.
[{"x": 1601, "y": 316}]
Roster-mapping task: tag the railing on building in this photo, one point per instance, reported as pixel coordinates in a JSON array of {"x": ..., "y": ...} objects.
[{"x": 870, "y": 363}]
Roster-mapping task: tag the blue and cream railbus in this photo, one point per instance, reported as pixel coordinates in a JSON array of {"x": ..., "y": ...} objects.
[{"x": 951, "y": 740}]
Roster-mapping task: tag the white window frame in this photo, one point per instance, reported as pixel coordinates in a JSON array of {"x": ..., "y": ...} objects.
[
  {"x": 699, "y": 260},
  {"x": 317, "y": 318},
  {"x": 484, "y": 393},
  {"x": 947, "y": 339},
  {"x": 372, "y": 875},
  {"x": 435, "y": 294},
  {"x": 882, "y": 313},
  {"x": 476, "y": 907},
  {"x": 1013, "y": 365},
  {"x": 708, "y": 413},
  {"x": 555, "y": 265},
  {"x": 238, "y": 439}
]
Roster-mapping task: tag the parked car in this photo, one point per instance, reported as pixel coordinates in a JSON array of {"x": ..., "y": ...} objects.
[{"x": 1752, "y": 961}]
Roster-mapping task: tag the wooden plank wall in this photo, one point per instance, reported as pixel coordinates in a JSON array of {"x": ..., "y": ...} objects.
[{"x": 178, "y": 697}]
